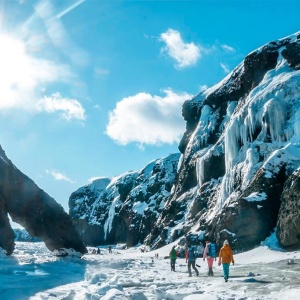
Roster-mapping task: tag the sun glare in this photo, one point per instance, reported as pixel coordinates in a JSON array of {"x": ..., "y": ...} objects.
[
  {"x": 15, "y": 69},
  {"x": 21, "y": 73},
  {"x": 12, "y": 58}
]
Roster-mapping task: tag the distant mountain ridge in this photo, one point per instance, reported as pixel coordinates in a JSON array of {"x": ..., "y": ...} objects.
[
  {"x": 238, "y": 174},
  {"x": 22, "y": 235}
]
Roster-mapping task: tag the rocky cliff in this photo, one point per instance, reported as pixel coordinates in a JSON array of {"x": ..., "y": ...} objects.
[
  {"x": 238, "y": 174},
  {"x": 123, "y": 209},
  {"x": 241, "y": 154},
  {"x": 33, "y": 209}
]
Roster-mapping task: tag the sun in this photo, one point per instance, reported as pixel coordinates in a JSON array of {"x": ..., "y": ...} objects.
[
  {"x": 21, "y": 72},
  {"x": 17, "y": 72},
  {"x": 13, "y": 60}
]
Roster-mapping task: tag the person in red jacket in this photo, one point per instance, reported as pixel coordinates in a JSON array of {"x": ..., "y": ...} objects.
[{"x": 226, "y": 257}]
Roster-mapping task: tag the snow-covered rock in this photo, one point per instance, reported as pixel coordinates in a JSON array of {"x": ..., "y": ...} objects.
[
  {"x": 123, "y": 209},
  {"x": 233, "y": 180},
  {"x": 241, "y": 145},
  {"x": 21, "y": 235}
]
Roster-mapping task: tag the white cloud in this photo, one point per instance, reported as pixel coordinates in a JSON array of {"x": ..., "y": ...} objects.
[
  {"x": 59, "y": 176},
  {"x": 22, "y": 78},
  {"x": 147, "y": 119},
  {"x": 228, "y": 48},
  {"x": 69, "y": 108},
  {"x": 21, "y": 74},
  {"x": 185, "y": 54},
  {"x": 225, "y": 68}
]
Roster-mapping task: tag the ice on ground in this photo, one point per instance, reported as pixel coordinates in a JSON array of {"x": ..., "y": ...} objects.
[{"x": 34, "y": 273}]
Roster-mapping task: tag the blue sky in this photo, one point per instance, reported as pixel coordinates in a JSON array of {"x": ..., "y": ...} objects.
[{"x": 95, "y": 88}]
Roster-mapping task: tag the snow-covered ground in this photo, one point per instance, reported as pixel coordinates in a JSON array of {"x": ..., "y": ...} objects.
[{"x": 33, "y": 272}]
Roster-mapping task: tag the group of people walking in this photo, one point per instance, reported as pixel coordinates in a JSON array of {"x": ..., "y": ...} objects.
[
  {"x": 225, "y": 258},
  {"x": 98, "y": 251},
  {"x": 210, "y": 255}
]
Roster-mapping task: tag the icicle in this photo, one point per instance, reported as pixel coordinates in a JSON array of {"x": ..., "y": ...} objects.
[
  {"x": 275, "y": 117},
  {"x": 232, "y": 137},
  {"x": 252, "y": 122},
  {"x": 296, "y": 125},
  {"x": 204, "y": 124},
  {"x": 200, "y": 169},
  {"x": 251, "y": 159},
  {"x": 111, "y": 214}
]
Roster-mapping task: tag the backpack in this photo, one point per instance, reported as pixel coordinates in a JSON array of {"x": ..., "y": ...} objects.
[
  {"x": 212, "y": 251},
  {"x": 192, "y": 255},
  {"x": 173, "y": 254}
]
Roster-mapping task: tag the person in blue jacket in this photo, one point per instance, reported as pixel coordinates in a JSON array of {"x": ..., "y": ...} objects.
[{"x": 190, "y": 258}]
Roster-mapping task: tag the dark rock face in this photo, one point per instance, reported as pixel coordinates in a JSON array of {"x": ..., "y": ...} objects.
[
  {"x": 253, "y": 216},
  {"x": 6, "y": 232},
  {"x": 288, "y": 224},
  {"x": 33, "y": 209},
  {"x": 292, "y": 54},
  {"x": 123, "y": 209}
]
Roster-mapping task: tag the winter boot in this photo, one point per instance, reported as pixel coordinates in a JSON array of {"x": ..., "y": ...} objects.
[{"x": 210, "y": 272}]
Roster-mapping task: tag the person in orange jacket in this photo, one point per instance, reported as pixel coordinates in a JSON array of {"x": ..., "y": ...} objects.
[{"x": 226, "y": 257}]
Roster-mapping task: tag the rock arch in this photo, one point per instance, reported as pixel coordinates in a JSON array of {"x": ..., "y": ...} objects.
[{"x": 35, "y": 210}]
